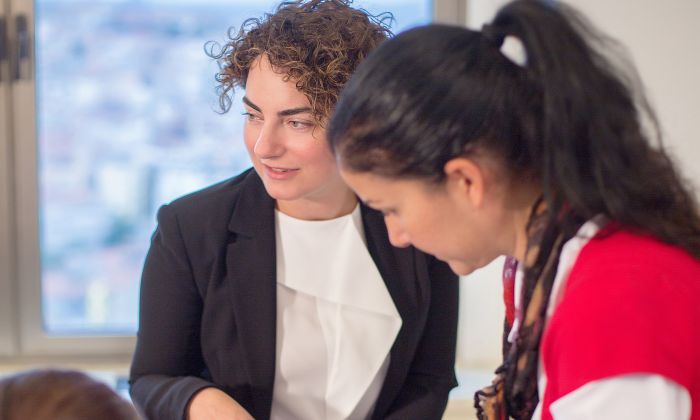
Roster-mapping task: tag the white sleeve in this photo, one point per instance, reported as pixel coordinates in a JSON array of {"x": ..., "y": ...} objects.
[{"x": 637, "y": 396}]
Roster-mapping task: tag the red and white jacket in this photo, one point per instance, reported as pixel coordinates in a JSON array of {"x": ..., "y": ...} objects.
[{"x": 622, "y": 339}]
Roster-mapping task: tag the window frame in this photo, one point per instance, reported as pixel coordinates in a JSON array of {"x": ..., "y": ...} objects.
[
  {"x": 21, "y": 327},
  {"x": 29, "y": 336},
  {"x": 7, "y": 309}
]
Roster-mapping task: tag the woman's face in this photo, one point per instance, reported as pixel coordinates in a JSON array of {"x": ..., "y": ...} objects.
[
  {"x": 285, "y": 143},
  {"x": 442, "y": 220}
]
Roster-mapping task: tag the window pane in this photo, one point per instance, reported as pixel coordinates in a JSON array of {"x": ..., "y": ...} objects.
[{"x": 127, "y": 121}]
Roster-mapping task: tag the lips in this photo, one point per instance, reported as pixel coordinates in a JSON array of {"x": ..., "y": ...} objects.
[
  {"x": 279, "y": 173},
  {"x": 280, "y": 170}
]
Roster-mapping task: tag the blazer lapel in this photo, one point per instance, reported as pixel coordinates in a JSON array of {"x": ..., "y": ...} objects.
[
  {"x": 397, "y": 267},
  {"x": 251, "y": 278}
]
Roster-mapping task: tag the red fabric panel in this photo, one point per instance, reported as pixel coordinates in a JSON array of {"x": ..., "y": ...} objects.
[{"x": 630, "y": 306}]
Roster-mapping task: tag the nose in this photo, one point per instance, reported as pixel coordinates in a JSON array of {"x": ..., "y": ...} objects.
[
  {"x": 397, "y": 235},
  {"x": 268, "y": 144}
]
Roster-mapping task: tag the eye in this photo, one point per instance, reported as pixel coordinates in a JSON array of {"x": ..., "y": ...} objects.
[
  {"x": 300, "y": 125},
  {"x": 251, "y": 117}
]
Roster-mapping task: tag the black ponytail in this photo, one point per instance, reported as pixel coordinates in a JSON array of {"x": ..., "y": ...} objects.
[
  {"x": 570, "y": 117},
  {"x": 596, "y": 134}
]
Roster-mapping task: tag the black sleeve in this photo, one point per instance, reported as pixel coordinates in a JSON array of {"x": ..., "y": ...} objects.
[
  {"x": 432, "y": 373},
  {"x": 168, "y": 361}
]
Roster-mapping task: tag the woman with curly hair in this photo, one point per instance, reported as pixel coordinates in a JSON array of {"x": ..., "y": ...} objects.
[
  {"x": 275, "y": 294},
  {"x": 526, "y": 139}
]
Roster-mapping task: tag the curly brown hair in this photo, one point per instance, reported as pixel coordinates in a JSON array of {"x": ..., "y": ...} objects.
[{"x": 318, "y": 44}]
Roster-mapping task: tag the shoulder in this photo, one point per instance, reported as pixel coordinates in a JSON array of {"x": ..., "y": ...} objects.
[
  {"x": 627, "y": 271},
  {"x": 628, "y": 307},
  {"x": 621, "y": 259},
  {"x": 622, "y": 247},
  {"x": 205, "y": 215},
  {"x": 213, "y": 196}
]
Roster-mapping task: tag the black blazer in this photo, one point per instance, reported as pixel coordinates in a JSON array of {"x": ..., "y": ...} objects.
[{"x": 207, "y": 310}]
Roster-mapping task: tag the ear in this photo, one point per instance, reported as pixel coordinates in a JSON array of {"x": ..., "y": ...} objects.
[{"x": 465, "y": 177}]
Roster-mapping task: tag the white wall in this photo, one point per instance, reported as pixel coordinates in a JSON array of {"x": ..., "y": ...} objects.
[{"x": 663, "y": 38}]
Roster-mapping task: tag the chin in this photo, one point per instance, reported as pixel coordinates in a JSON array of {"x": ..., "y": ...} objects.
[
  {"x": 285, "y": 194},
  {"x": 461, "y": 268},
  {"x": 282, "y": 190}
]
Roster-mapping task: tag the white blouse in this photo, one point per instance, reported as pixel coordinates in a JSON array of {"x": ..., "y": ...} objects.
[{"x": 336, "y": 321}]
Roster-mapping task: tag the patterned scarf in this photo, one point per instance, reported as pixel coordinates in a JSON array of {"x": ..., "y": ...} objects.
[{"x": 513, "y": 392}]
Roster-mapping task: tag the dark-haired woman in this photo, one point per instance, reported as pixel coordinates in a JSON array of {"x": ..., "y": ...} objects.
[
  {"x": 275, "y": 294},
  {"x": 523, "y": 140},
  {"x": 54, "y": 394}
]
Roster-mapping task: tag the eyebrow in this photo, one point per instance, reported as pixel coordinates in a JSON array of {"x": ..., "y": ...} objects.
[
  {"x": 250, "y": 104},
  {"x": 284, "y": 113}
]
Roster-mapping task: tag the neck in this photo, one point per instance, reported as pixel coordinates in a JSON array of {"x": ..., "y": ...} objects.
[
  {"x": 521, "y": 214},
  {"x": 520, "y": 241},
  {"x": 339, "y": 204}
]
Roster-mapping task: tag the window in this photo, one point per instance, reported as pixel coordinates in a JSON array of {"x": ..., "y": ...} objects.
[{"x": 113, "y": 113}]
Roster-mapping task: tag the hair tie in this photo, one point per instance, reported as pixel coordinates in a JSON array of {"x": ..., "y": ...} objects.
[
  {"x": 514, "y": 50},
  {"x": 509, "y": 45}
]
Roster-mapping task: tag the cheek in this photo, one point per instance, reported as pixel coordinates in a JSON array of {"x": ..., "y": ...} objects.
[
  {"x": 316, "y": 155},
  {"x": 445, "y": 227},
  {"x": 423, "y": 229},
  {"x": 250, "y": 137}
]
